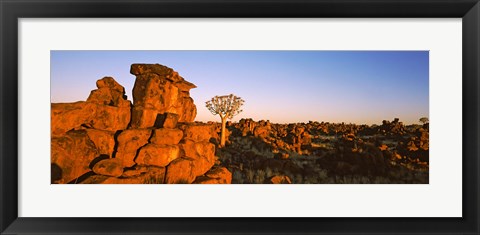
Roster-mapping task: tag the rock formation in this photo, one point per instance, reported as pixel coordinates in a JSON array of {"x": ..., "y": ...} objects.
[
  {"x": 95, "y": 141},
  {"x": 158, "y": 90},
  {"x": 107, "y": 108},
  {"x": 322, "y": 152}
]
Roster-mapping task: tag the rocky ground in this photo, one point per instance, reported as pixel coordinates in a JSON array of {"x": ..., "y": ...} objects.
[{"x": 311, "y": 153}]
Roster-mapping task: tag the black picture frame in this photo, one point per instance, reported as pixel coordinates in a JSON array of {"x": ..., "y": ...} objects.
[{"x": 12, "y": 10}]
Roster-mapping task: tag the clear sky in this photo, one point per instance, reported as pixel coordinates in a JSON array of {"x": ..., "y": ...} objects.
[{"x": 363, "y": 87}]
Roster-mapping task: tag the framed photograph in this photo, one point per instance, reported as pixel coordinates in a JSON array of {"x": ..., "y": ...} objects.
[{"x": 239, "y": 117}]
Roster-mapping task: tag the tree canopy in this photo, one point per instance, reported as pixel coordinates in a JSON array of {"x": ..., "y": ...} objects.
[{"x": 227, "y": 106}]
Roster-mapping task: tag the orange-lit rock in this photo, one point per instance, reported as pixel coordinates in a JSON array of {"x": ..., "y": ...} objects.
[
  {"x": 157, "y": 155},
  {"x": 71, "y": 155},
  {"x": 202, "y": 155},
  {"x": 279, "y": 179},
  {"x": 166, "y": 120},
  {"x": 109, "y": 93},
  {"x": 411, "y": 146},
  {"x": 206, "y": 180},
  {"x": 383, "y": 147},
  {"x": 157, "y": 90},
  {"x": 144, "y": 175},
  {"x": 165, "y": 136},
  {"x": 104, "y": 140},
  {"x": 129, "y": 141},
  {"x": 109, "y": 167},
  {"x": 179, "y": 171},
  {"x": 221, "y": 174},
  {"x": 197, "y": 132},
  {"x": 105, "y": 109}
]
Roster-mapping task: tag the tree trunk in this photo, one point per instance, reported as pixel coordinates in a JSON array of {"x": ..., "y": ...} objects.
[{"x": 222, "y": 135}]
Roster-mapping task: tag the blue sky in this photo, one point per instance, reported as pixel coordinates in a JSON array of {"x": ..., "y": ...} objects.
[{"x": 363, "y": 87}]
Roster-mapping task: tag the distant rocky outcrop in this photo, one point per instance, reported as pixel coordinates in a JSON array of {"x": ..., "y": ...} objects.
[
  {"x": 96, "y": 141},
  {"x": 322, "y": 152}
]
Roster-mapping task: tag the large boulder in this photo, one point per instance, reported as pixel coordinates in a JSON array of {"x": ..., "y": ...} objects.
[
  {"x": 202, "y": 155},
  {"x": 110, "y": 93},
  {"x": 105, "y": 109},
  {"x": 157, "y": 155},
  {"x": 104, "y": 141},
  {"x": 166, "y": 136},
  {"x": 158, "y": 90},
  {"x": 217, "y": 175},
  {"x": 129, "y": 142},
  {"x": 71, "y": 155},
  {"x": 179, "y": 171},
  {"x": 138, "y": 175},
  {"x": 166, "y": 120}
]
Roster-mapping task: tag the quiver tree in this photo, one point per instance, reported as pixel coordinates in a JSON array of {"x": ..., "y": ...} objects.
[{"x": 226, "y": 107}]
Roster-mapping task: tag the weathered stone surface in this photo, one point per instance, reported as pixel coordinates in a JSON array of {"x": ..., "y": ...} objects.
[
  {"x": 143, "y": 117},
  {"x": 157, "y": 90},
  {"x": 279, "y": 179},
  {"x": 110, "y": 118},
  {"x": 72, "y": 154},
  {"x": 221, "y": 174},
  {"x": 90, "y": 139},
  {"x": 104, "y": 140},
  {"x": 166, "y": 120},
  {"x": 157, "y": 155},
  {"x": 206, "y": 180},
  {"x": 106, "y": 109},
  {"x": 197, "y": 132},
  {"x": 95, "y": 179},
  {"x": 179, "y": 171},
  {"x": 185, "y": 86},
  {"x": 158, "y": 69},
  {"x": 144, "y": 175},
  {"x": 109, "y": 167},
  {"x": 67, "y": 116},
  {"x": 202, "y": 155},
  {"x": 111, "y": 84},
  {"x": 165, "y": 136},
  {"x": 110, "y": 93},
  {"x": 129, "y": 141}
]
